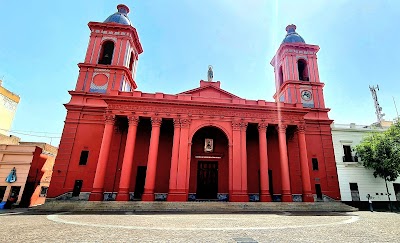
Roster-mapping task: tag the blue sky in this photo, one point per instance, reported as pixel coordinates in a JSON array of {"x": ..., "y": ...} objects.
[{"x": 42, "y": 42}]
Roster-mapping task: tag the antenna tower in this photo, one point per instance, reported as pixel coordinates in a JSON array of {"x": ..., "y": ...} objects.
[{"x": 378, "y": 108}]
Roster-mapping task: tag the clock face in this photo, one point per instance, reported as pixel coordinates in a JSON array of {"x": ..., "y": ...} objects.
[{"x": 306, "y": 95}]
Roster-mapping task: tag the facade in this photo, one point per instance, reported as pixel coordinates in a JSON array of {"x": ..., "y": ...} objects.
[
  {"x": 119, "y": 143},
  {"x": 32, "y": 164},
  {"x": 355, "y": 181},
  {"x": 8, "y": 106}
]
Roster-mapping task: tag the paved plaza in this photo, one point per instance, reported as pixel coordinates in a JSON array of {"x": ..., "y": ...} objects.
[{"x": 24, "y": 226}]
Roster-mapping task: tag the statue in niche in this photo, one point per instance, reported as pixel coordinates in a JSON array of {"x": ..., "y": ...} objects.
[
  {"x": 12, "y": 177},
  {"x": 208, "y": 145},
  {"x": 210, "y": 74}
]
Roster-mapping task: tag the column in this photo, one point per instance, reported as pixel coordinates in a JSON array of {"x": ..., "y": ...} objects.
[
  {"x": 239, "y": 188},
  {"x": 305, "y": 172},
  {"x": 148, "y": 194},
  {"x": 173, "y": 195},
  {"x": 264, "y": 178},
  {"x": 98, "y": 184},
  {"x": 231, "y": 178},
  {"x": 286, "y": 193},
  {"x": 183, "y": 168},
  {"x": 127, "y": 163},
  {"x": 243, "y": 130}
]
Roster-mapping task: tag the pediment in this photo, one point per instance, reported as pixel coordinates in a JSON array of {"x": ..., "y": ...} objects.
[{"x": 210, "y": 91}]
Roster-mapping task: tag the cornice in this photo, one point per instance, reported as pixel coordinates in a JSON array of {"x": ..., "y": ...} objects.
[
  {"x": 102, "y": 67},
  {"x": 129, "y": 28}
]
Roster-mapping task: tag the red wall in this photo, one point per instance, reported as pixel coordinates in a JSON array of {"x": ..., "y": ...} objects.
[
  {"x": 87, "y": 135},
  {"x": 253, "y": 159},
  {"x": 164, "y": 157}
]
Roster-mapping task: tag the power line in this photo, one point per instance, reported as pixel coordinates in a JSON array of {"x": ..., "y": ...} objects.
[
  {"x": 29, "y": 131},
  {"x": 27, "y": 134}
]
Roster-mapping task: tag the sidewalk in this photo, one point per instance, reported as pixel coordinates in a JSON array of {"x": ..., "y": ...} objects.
[{"x": 13, "y": 211}]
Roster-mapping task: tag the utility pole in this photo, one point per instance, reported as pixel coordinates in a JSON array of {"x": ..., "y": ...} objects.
[
  {"x": 378, "y": 108},
  {"x": 397, "y": 113}
]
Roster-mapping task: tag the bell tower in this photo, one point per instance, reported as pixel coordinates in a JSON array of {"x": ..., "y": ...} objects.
[
  {"x": 111, "y": 57},
  {"x": 296, "y": 72}
]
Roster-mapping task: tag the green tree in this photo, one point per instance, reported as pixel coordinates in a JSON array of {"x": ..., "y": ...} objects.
[{"x": 380, "y": 151}]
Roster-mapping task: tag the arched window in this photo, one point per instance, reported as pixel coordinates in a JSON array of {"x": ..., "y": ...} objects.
[
  {"x": 280, "y": 76},
  {"x": 131, "y": 60},
  {"x": 303, "y": 70},
  {"x": 106, "y": 53}
]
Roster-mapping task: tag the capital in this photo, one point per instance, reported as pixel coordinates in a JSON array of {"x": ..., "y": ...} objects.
[
  {"x": 185, "y": 122},
  {"x": 243, "y": 125},
  {"x": 133, "y": 120},
  {"x": 262, "y": 126},
  {"x": 156, "y": 121},
  {"x": 301, "y": 128},
  {"x": 235, "y": 125},
  {"x": 281, "y": 128},
  {"x": 109, "y": 119},
  {"x": 177, "y": 122}
]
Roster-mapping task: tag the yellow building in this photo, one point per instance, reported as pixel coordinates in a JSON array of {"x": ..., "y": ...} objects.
[{"x": 8, "y": 107}]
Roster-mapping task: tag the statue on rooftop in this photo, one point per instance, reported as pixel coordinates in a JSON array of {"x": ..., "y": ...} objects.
[{"x": 210, "y": 74}]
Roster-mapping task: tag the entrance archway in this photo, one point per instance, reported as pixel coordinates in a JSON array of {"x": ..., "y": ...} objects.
[{"x": 209, "y": 164}]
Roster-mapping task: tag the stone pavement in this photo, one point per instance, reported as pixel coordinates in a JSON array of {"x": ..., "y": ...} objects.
[{"x": 128, "y": 227}]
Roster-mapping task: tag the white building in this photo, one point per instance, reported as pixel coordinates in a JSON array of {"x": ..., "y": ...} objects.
[{"x": 355, "y": 181}]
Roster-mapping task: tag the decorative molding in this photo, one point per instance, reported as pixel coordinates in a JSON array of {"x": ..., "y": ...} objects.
[
  {"x": 216, "y": 113},
  {"x": 160, "y": 196},
  {"x": 177, "y": 122},
  {"x": 254, "y": 197},
  {"x": 236, "y": 125},
  {"x": 243, "y": 125},
  {"x": 301, "y": 128},
  {"x": 133, "y": 120},
  {"x": 102, "y": 72},
  {"x": 207, "y": 157},
  {"x": 262, "y": 126},
  {"x": 224, "y": 197},
  {"x": 297, "y": 198},
  {"x": 109, "y": 119},
  {"x": 185, "y": 122},
  {"x": 156, "y": 121},
  {"x": 281, "y": 128},
  {"x": 105, "y": 38}
]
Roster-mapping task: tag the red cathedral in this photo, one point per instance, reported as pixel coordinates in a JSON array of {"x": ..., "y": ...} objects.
[{"x": 206, "y": 143}]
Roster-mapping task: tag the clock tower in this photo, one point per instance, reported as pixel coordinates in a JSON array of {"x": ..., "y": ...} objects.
[{"x": 296, "y": 72}]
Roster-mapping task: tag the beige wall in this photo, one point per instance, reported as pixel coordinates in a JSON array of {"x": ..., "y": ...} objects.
[
  {"x": 19, "y": 157},
  {"x": 9, "y": 140},
  {"x": 8, "y": 107}
]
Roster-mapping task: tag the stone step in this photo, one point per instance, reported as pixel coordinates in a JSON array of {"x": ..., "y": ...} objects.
[{"x": 192, "y": 207}]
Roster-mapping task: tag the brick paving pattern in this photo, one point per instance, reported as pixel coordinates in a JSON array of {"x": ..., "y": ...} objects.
[{"x": 129, "y": 227}]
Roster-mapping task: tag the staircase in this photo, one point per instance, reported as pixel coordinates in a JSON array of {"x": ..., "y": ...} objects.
[{"x": 191, "y": 207}]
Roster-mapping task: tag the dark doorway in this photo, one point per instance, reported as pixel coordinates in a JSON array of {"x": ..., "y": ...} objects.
[
  {"x": 271, "y": 187},
  {"x": 2, "y": 192},
  {"x": 140, "y": 181},
  {"x": 396, "y": 187},
  {"x": 355, "y": 195},
  {"x": 77, "y": 188},
  {"x": 318, "y": 191},
  {"x": 27, "y": 194},
  {"x": 207, "y": 180}
]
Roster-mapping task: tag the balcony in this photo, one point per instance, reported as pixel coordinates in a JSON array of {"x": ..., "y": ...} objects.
[{"x": 350, "y": 158}]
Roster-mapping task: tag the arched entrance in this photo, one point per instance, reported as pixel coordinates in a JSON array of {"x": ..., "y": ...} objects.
[{"x": 209, "y": 163}]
